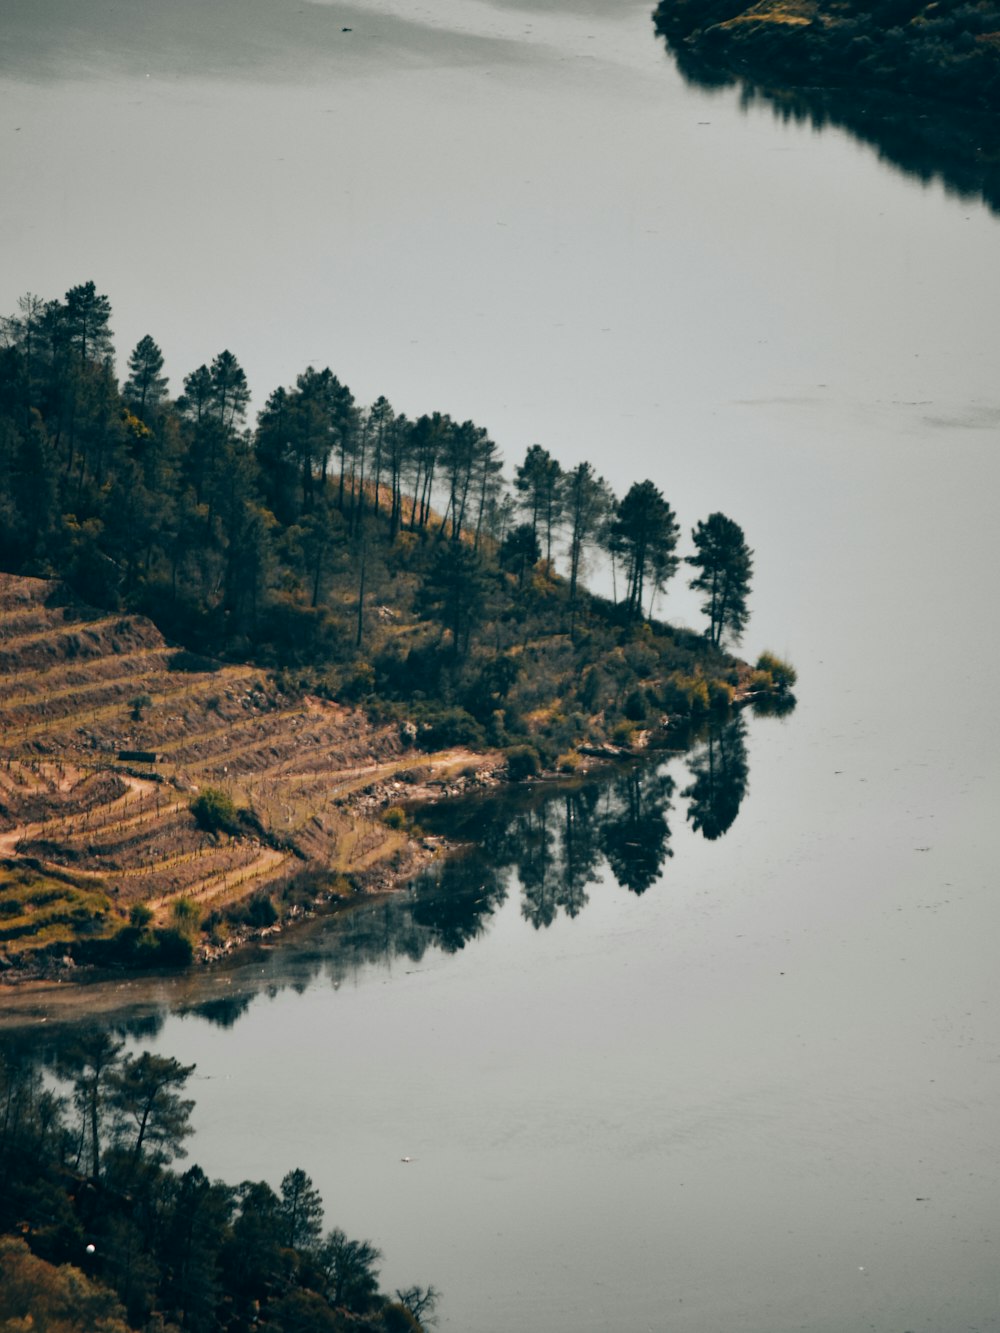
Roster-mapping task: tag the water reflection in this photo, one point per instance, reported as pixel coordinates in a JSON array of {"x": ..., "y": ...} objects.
[
  {"x": 721, "y": 772},
  {"x": 551, "y": 844},
  {"x": 938, "y": 143}
]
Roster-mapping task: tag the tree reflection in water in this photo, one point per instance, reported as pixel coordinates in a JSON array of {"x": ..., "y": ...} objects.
[
  {"x": 928, "y": 140},
  {"x": 553, "y": 841},
  {"x": 557, "y": 841},
  {"x": 721, "y": 772}
]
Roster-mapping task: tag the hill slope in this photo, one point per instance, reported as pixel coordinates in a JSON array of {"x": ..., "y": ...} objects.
[
  {"x": 107, "y": 733},
  {"x": 947, "y": 50}
]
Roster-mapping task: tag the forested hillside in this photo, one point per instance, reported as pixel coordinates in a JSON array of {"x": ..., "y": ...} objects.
[
  {"x": 102, "y": 1234},
  {"x": 946, "y": 51},
  {"x": 350, "y": 549}
]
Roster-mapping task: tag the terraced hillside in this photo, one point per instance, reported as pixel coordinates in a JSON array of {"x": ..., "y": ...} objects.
[{"x": 107, "y": 734}]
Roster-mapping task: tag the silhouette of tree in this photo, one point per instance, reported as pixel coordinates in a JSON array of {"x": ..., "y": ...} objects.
[
  {"x": 635, "y": 836},
  {"x": 721, "y": 772},
  {"x": 145, "y": 388},
  {"x": 644, "y": 533},
  {"x": 725, "y": 563},
  {"x": 301, "y": 1210},
  {"x": 145, "y": 1091}
]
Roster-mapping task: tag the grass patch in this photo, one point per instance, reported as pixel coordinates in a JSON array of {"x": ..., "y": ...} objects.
[{"x": 40, "y": 908}]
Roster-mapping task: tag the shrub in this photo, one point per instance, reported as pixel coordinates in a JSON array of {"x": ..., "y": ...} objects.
[
  {"x": 783, "y": 674},
  {"x": 257, "y": 911},
  {"x": 496, "y": 730},
  {"x": 635, "y": 706},
  {"x": 623, "y": 733},
  {"x": 394, "y": 817},
  {"x": 720, "y": 695},
  {"x": 214, "y": 811},
  {"x": 523, "y": 762},
  {"x": 450, "y": 727},
  {"x": 169, "y": 949},
  {"x": 139, "y": 948},
  {"x": 687, "y": 696},
  {"x": 138, "y": 705},
  {"x": 568, "y": 762},
  {"x": 186, "y": 916}
]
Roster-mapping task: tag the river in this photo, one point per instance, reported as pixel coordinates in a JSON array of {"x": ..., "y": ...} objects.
[{"x": 760, "y": 1095}]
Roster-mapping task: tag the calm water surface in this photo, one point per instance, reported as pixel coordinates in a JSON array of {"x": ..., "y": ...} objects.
[{"x": 713, "y": 1105}]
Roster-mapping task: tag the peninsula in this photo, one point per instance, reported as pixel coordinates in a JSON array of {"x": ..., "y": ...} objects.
[{"x": 233, "y": 658}]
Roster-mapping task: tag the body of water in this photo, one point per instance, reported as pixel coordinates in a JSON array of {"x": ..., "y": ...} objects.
[{"x": 759, "y": 1095}]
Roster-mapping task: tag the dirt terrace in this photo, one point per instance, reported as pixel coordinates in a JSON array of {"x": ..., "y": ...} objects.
[{"x": 89, "y": 828}]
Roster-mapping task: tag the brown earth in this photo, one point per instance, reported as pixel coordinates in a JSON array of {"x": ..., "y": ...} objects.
[{"x": 107, "y": 732}]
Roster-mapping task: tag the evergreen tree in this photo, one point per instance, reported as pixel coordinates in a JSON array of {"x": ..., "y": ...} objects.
[
  {"x": 229, "y": 393},
  {"x": 537, "y": 481},
  {"x": 145, "y": 1094},
  {"x": 380, "y": 418},
  {"x": 145, "y": 388},
  {"x": 725, "y": 563},
  {"x": 644, "y": 532},
  {"x": 454, "y": 592},
  {"x": 587, "y": 502},
  {"x": 301, "y": 1210},
  {"x": 87, "y": 319},
  {"x": 89, "y": 1062},
  {"x": 278, "y": 459}
]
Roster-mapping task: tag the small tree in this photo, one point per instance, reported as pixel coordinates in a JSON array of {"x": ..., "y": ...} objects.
[
  {"x": 420, "y": 1301},
  {"x": 349, "y": 1269},
  {"x": 644, "y": 532},
  {"x": 146, "y": 1092},
  {"x": 725, "y": 563},
  {"x": 214, "y": 811},
  {"x": 301, "y": 1210},
  {"x": 145, "y": 387},
  {"x": 138, "y": 705}
]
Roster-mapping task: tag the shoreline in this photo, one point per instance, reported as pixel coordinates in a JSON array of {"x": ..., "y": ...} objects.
[{"x": 49, "y": 976}]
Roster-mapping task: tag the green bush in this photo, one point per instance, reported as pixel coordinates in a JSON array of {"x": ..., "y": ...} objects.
[
  {"x": 635, "y": 708},
  {"x": 623, "y": 733},
  {"x": 394, "y": 817},
  {"x": 257, "y": 911},
  {"x": 686, "y": 696},
  {"x": 720, "y": 695},
  {"x": 523, "y": 762},
  {"x": 186, "y": 916},
  {"x": 214, "y": 811},
  {"x": 450, "y": 727},
  {"x": 139, "y": 948},
  {"x": 138, "y": 705},
  {"x": 783, "y": 674}
]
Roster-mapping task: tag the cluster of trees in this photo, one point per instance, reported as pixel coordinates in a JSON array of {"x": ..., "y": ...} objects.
[
  {"x": 273, "y": 540},
  {"x": 112, "y": 1238},
  {"x": 947, "y": 50}
]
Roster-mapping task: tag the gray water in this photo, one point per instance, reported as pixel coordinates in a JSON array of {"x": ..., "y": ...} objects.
[{"x": 762, "y": 1095}]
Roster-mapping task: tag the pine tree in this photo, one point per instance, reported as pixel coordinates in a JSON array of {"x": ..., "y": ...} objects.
[
  {"x": 301, "y": 1211},
  {"x": 145, "y": 388},
  {"x": 644, "y": 532},
  {"x": 725, "y": 563}
]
